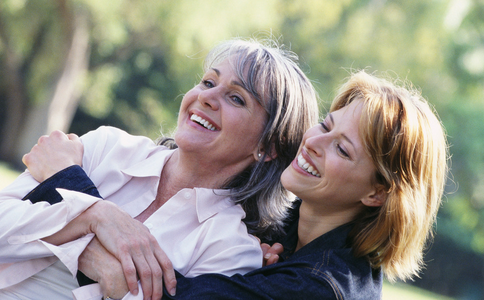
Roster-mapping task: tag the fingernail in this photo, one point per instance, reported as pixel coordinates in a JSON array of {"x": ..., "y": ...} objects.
[
  {"x": 267, "y": 256},
  {"x": 173, "y": 291}
]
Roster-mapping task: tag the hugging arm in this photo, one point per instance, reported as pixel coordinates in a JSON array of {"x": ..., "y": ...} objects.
[
  {"x": 279, "y": 281},
  {"x": 127, "y": 239}
]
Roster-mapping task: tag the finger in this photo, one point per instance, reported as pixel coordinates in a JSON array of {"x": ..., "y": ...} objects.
[
  {"x": 144, "y": 273},
  {"x": 57, "y": 134},
  {"x": 265, "y": 248},
  {"x": 272, "y": 260},
  {"x": 169, "y": 277},
  {"x": 129, "y": 271},
  {"x": 73, "y": 137},
  {"x": 157, "y": 278},
  {"x": 25, "y": 159},
  {"x": 277, "y": 248}
]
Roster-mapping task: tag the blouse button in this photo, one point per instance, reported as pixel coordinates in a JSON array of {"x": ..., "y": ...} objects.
[{"x": 187, "y": 195}]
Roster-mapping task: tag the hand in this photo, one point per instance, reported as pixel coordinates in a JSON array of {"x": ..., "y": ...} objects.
[
  {"x": 98, "y": 264},
  {"x": 134, "y": 246},
  {"x": 270, "y": 253},
  {"x": 52, "y": 154}
]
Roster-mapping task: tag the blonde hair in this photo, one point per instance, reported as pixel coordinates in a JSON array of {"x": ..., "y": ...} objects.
[{"x": 407, "y": 144}]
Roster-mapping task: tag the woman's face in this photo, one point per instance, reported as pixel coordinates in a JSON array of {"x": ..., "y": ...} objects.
[
  {"x": 221, "y": 119},
  {"x": 332, "y": 167}
]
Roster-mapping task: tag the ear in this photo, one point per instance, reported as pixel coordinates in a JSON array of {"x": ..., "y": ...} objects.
[
  {"x": 259, "y": 153},
  {"x": 376, "y": 198}
]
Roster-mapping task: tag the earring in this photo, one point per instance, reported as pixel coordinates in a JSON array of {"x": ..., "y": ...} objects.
[{"x": 260, "y": 155}]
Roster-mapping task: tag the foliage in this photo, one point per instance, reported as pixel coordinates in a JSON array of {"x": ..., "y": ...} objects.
[{"x": 143, "y": 55}]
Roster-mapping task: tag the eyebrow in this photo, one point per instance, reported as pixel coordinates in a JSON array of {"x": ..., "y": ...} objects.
[
  {"x": 344, "y": 135},
  {"x": 216, "y": 71},
  {"x": 238, "y": 83}
]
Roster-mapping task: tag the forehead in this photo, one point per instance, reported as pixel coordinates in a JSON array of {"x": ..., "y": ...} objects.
[{"x": 351, "y": 112}]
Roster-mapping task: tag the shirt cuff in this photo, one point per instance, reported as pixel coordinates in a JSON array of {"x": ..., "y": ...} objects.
[
  {"x": 72, "y": 178},
  {"x": 88, "y": 292}
]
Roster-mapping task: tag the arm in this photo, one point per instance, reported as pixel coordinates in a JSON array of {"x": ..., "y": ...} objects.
[
  {"x": 127, "y": 239},
  {"x": 279, "y": 281},
  {"x": 23, "y": 224}
]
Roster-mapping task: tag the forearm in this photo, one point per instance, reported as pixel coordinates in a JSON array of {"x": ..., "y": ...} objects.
[
  {"x": 272, "y": 282},
  {"x": 72, "y": 178},
  {"x": 23, "y": 223}
]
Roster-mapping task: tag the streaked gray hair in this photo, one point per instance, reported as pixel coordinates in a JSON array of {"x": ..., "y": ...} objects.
[{"x": 271, "y": 74}]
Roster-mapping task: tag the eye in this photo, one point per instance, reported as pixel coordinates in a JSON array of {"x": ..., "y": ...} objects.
[
  {"x": 342, "y": 151},
  {"x": 238, "y": 100},
  {"x": 208, "y": 83},
  {"x": 325, "y": 127}
]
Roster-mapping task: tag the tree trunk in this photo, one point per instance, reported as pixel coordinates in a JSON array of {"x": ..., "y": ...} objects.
[
  {"x": 15, "y": 99},
  {"x": 57, "y": 113}
]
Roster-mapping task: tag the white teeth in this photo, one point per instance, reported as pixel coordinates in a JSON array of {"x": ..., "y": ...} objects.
[
  {"x": 301, "y": 162},
  {"x": 202, "y": 122}
]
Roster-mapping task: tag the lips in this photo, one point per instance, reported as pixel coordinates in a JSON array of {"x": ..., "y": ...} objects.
[
  {"x": 202, "y": 121},
  {"x": 306, "y": 166}
]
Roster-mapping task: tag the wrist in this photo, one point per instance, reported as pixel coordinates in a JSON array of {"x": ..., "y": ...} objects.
[{"x": 93, "y": 216}]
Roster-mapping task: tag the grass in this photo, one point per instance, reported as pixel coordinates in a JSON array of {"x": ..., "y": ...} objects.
[
  {"x": 398, "y": 291},
  {"x": 7, "y": 175},
  {"x": 402, "y": 291}
]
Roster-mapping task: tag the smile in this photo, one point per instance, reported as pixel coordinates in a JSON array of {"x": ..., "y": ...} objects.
[
  {"x": 303, "y": 164},
  {"x": 202, "y": 122}
]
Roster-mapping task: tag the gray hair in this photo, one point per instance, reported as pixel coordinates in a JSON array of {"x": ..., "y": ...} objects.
[
  {"x": 271, "y": 74},
  {"x": 273, "y": 77}
]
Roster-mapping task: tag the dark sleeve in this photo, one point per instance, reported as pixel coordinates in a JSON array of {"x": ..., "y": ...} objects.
[
  {"x": 294, "y": 282},
  {"x": 72, "y": 178}
]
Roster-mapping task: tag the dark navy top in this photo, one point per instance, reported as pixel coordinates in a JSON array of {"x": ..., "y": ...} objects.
[{"x": 323, "y": 269}]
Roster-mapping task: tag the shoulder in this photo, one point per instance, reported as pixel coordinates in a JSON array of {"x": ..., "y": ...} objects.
[
  {"x": 329, "y": 261},
  {"x": 107, "y": 143},
  {"x": 108, "y": 135},
  {"x": 350, "y": 276}
]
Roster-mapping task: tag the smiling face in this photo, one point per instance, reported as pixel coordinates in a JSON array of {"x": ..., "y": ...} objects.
[
  {"x": 332, "y": 167},
  {"x": 221, "y": 121}
]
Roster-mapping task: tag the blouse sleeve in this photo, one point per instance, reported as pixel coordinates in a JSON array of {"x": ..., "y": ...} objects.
[{"x": 23, "y": 223}]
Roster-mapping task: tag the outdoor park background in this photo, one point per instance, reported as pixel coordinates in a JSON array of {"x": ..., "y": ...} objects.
[{"x": 77, "y": 64}]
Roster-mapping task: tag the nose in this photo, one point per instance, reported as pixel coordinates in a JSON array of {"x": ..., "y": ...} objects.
[
  {"x": 210, "y": 98},
  {"x": 316, "y": 142}
]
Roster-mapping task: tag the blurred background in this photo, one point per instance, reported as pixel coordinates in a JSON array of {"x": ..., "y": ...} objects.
[{"x": 74, "y": 65}]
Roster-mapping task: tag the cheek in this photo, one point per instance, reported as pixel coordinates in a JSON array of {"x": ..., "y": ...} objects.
[
  {"x": 189, "y": 98},
  {"x": 248, "y": 126},
  {"x": 287, "y": 178}
]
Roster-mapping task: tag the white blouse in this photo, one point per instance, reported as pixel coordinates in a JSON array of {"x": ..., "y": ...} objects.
[{"x": 200, "y": 230}]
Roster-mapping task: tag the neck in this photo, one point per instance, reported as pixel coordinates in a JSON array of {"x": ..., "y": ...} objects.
[
  {"x": 179, "y": 174},
  {"x": 314, "y": 222},
  {"x": 193, "y": 169}
]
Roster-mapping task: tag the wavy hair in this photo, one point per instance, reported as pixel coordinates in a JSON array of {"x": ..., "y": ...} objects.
[{"x": 408, "y": 146}]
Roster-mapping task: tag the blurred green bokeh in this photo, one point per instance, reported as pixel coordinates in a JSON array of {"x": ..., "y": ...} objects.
[{"x": 78, "y": 64}]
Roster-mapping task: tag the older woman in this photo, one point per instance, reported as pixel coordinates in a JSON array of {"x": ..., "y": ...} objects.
[{"x": 237, "y": 131}]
